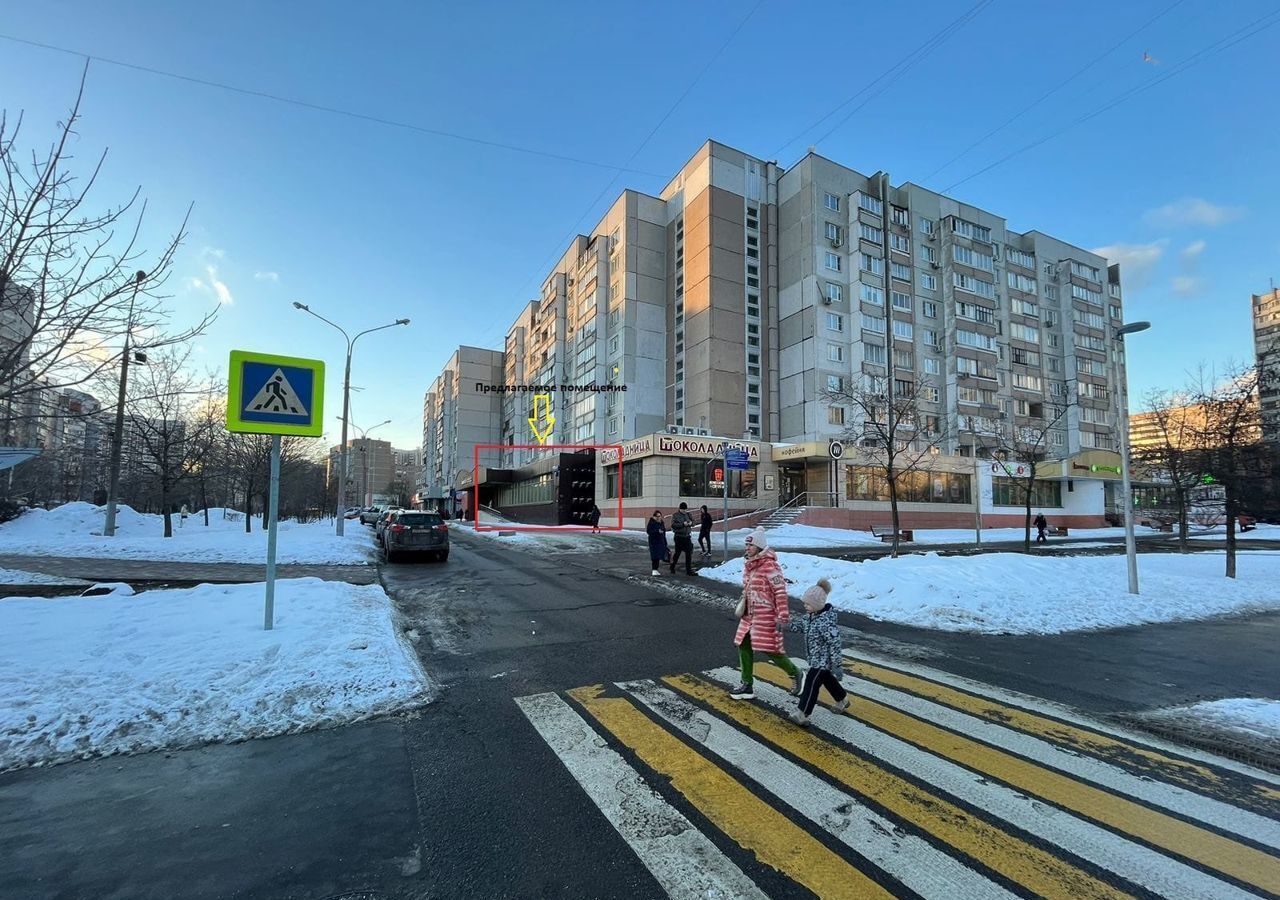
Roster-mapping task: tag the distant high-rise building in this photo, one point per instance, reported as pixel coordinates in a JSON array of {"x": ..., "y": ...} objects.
[{"x": 1266, "y": 344}]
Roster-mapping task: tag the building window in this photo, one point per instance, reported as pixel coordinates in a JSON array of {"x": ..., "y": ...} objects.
[
  {"x": 900, "y": 242},
  {"x": 929, "y": 309},
  {"x": 901, "y": 301},
  {"x": 1115, "y": 311},
  {"x": 833, "y": 261},
  {"x": 704, "y": 478},
  {"x": 632, "y": 479},
  {"x": 873, "y": 324},
  {"x": 872, "y": 264},
  {"x": 925, "y": 225},
  {"x": 928, "y": 282},
  {"x": 900, "y": 216},
  {"x": 974, "y": 285},
  {"x": 899, "y": 271},
  {"x": 831, "y": 201},
  {"x": 833, "y": 232},
  {"x": 873, "y": 353},
  {"x": 870, "y": 294},
  {"x": 932, "y": 366},
  {"x": 904, "y": 359},
  {"x": 927, "y": 254},
  {"x": 968, "y": 257},
  {"x": 835, "y": 415},
  {"x": 1012, "y": 492},
  {"x": 835, "y": 322},
  {"x": 835, "y": 292},
  {"x": 870, "y": 233},
  {"x": 930, "y": 338},
  {"x": 835, "y": 353},
  {"x": 903, "y": 330},
  {"x": 835, "y": 383},
  {"x": 914, "y": 486}
]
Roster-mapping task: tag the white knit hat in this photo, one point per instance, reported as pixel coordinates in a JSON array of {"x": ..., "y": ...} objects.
[
  {"x": 758, "y": 538},
  {"x": 817, "y": 595}
]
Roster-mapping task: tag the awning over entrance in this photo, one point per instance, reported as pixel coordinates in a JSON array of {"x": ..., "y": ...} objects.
[{"x": 12, "y": 456}]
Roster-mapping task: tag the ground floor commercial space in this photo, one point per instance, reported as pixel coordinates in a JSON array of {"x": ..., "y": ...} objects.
[{"x": 843, "y": 487}]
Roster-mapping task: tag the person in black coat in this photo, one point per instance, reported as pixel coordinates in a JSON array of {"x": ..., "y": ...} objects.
[
  {"x": 704, "y": 532},
  {"x": 656, "y": 528},
  {"x": 1042, "y": 525},
  {"x": 595, "y": 519}
]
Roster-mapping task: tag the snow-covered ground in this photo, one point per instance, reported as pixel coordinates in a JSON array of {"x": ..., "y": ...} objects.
[
  {"x": 18, "y": 576},
  {"x": 1244, "y": 718},
  {"x": 1014, "y": 593},
  {"x": 1219, "y": 533},
  {"x": 75, "y": 529},
  {"x": 803, "y": 537},
  {"x": 120, "y": 673}
]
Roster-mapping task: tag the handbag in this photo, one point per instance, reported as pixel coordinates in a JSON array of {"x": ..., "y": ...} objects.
[{"x": 741, "y": 609}]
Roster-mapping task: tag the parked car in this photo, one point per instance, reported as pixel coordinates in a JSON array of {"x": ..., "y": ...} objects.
[
  {"x": 352, "y": 514},
  {"x": 381, "y": 523},
  {"x": 370, "y": 514},
  {"x": 410, "y": 531}
]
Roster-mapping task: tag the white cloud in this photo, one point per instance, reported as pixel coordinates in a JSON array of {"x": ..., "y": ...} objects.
[
  {"x": 215, "y": 252},
  {"x": 220, "y": 289},
  {"x": 1136, "y": 260},
  {"x": 1186, "y": 285},
  {"x": 1192, "y": 211},
  {"x": 1192, "y": 251},
  {"x": 273, "y": 277}
]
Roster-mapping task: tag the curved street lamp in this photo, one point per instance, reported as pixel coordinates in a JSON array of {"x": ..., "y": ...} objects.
[{"x": 346, "y": 401}]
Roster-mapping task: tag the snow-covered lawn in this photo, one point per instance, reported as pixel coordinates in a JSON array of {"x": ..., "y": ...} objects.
[
  {"x": 18, "y": 576},
  {"x": 1219, "y": 533},
  {"x": 89, "y": 676},
  {"x": 1014, "y": 593},
  {"x": 1241, "y": 717},
  {"x": 75, "y": 529},
  {"x": 803, "y": 537}
]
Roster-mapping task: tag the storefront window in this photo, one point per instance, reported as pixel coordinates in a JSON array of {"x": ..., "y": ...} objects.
[
  {"x": 870, "y": 483},
  {"x": 529, "y": 492},
  {"x": 632, "y": 480},
  {"x": 703, "y": 478},
  {"x": 1010, "y": 492}
]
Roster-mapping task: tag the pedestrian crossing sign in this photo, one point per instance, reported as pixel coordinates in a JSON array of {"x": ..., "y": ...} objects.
[{"x": 269, "y": 394}]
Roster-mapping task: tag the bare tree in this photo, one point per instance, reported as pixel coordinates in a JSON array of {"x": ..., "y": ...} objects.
[
  {"x": 1025, "y": 441},
  {"x": 169, "y": 438},
  {"x": 74, "y": 280},
  {"x": 1230, "y": 441},
  {"x": 892, "y": 431},
  {"x": 1174, "y": 453}
]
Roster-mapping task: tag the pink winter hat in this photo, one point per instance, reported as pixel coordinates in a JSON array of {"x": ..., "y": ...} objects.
[
  {"x": 758, "y": 538},
  {"x": 817, "y": 595}
]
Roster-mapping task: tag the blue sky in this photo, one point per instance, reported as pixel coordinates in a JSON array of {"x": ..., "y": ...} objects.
[{"x": 368, "y": 223}]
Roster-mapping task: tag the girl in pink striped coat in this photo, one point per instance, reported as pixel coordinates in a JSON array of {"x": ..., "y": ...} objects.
[{"x": 760, "y": 630}]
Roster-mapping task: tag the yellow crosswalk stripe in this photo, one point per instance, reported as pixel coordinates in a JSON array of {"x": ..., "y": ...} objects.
[
  {"x": 1039, "y": 871},
  {"x": 1250, "y": 866},
  {"x": 1082, "y": 740},
  {"x": 745, "y": 818}
]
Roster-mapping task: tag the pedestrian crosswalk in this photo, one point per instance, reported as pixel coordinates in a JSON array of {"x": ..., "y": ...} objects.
[{"x": 930, "y": 785}]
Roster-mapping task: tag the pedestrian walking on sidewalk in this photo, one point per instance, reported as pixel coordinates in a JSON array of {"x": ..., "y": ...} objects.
[
  {"x": 595, "y": 518},
  {"x": 704, "y": 532},
  {"x": 1042, "y": 525},
  {"x": 822, "y": 647},
  {"x": 765, "y": 614},
  {"x": 682, "y": 527},
  {"x": 656, "y": 528}
]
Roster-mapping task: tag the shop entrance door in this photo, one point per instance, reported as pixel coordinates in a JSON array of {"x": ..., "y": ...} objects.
[{"x": 791, "y": 483}]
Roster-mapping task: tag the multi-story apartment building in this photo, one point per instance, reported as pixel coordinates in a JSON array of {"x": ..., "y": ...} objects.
[
  {"x": 370, "y": 471},
  {"x": 456, "y": 416},
  {"x": 730, "y": 305},
  {"x": 1266, "y": 344}
]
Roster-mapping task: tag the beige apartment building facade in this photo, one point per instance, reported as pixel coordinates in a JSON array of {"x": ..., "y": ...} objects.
[
  {"x": 726, "y": 307},
  {"x": 1266, "y": 343}
]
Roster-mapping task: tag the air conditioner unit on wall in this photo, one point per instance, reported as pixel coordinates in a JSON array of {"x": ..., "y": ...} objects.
[{"x": 673, "y": 429}]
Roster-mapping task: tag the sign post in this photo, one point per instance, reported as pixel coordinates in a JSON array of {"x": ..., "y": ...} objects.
[
  {"x": 733, "y": 460},
  {"x": 275, "y": 395}
]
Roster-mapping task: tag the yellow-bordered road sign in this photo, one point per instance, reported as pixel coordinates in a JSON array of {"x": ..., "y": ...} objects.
[{"x": 269, "y": 394}]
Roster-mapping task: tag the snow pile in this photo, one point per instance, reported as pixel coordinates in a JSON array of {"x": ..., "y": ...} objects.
[
  {"x": 89, "y": 676},
  {"x": 75, "y": 529},
  {"x": 18, "y": 576},
  {"x": 805, "y": 537},
  {"x": 1219, "y": 533},
  {"x": 798, "y": 537},
  {"x": 1014, "y": 593},
  {"x": 1244, "y": 718}
]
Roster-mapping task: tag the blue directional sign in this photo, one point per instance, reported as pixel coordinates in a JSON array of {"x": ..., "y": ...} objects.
[
  {"x": 269, "y": 394},
  {"x": 736, "y": 459}
]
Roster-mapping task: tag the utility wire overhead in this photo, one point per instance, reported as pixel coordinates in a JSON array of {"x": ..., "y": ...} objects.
[
  {"x": 332, "y": 110},
  {"x": 889, "y": 77},
  {"x": 1255, "y": 27},
  {"x": 1059, "y": 86}
]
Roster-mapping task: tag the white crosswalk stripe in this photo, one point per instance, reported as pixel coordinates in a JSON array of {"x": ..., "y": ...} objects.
[
  {"x": 1141, "y": 865},
  {"x": 684, "y": 862}
]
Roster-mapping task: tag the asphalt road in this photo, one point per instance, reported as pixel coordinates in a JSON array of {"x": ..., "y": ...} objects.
[{"x": 488, "y": 792}]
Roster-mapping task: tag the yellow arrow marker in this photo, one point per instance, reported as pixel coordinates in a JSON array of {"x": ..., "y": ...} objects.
[{"x": 549, "y": 420}]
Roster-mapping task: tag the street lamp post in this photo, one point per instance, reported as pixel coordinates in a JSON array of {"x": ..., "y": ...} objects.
[
  {"x": 117, "y": 444},
  {"x": 346, "y": 401},
  {"x": 1130, "y": 548}
]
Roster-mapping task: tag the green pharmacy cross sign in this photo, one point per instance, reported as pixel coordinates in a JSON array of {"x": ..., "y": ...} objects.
[{"x": 1115, "y": 470}]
